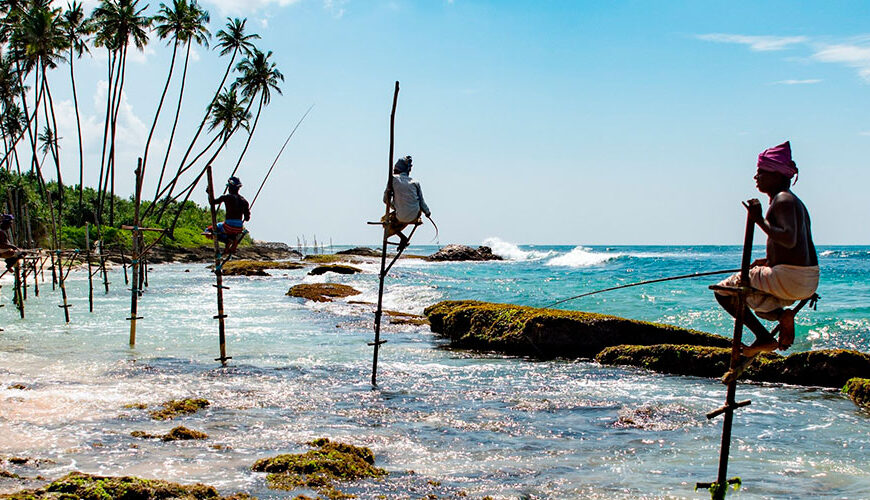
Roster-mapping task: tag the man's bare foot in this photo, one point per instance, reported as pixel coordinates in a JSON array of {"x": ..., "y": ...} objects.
[
  {"x": 759, "y": 346},
  {"x": 786, "y": 329}
]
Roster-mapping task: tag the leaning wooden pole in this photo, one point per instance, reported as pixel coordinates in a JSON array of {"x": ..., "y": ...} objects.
[
  {"x": 17, "y": 297},
  {"x": 720, "y": 487},
  {"x": 218, "y": 274},
  {"x": 383, "y": 272},
  {"x": 90, "y": 272},
  {"x": 134, "y": 261},
  {"x": 57, "y": 264}
]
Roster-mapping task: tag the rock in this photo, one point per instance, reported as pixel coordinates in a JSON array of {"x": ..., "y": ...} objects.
[
  {"x": 321, "y": 292},
  {"x": 321, "y": 468},
  {"x": 401, "y": 318},
  {"x": 259, "y": 251},
  {"x": 361, "y": 251},
  {"x": 87, "y": 486},
  {"x": 462, "y": 252},
  {"x": 257, "y": 267},
  {"x": 20, "y": 387},
  {"x": 859, "y": 390},
  {"x": 179, "y": 433},
  {"x": 826, "y": 368},
  {"x": 548, "y": 333},
  {"x": 176, "y": 407},
  {"x": 334, "y": 268}
]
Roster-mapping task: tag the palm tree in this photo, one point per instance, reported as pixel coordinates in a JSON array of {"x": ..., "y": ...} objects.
[
  {"x": 13, "y": 123},
  {"x": 259, "y": 77},
  {"x": 117, "y": 23},
  {"x": 192, "y": 28},
  {"x": 232, "y": 40},
  {"x": 77, "y": 30}
]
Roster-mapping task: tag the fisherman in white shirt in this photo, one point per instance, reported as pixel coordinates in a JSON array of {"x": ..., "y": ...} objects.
[{"x": 407, "y": 201}]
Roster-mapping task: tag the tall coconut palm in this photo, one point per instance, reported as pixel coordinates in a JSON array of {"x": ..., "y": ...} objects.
[
  {"x": 13, "y": 123},
  {"x": 193, "y": 20},
  {"x": 259, "y": 76},
  {"x": 77, "y": 30},
  {"x": 117, "y": 23},
  {"x": 233, "y": 40}
]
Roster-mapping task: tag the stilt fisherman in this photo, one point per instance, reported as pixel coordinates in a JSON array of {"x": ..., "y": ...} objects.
[
  {"x": 790, "y": 272},
  {"x": 9, "y": 252},
  {"x": 407, "y": 201},
  {"x": 238, "y": 211}
]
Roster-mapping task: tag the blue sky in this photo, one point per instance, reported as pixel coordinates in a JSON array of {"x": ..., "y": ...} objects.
[{"x": 625, "y": 122}]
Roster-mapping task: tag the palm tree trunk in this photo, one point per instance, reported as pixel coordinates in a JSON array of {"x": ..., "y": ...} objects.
[
  {"x": 100, "y": 192},
  {"x": 119, "y": 98},
  {"x": 72, "y": 78},
  {"x": 53, "y": 146},
  {"x": 177, "y": 111},
  {"x": 159, "y": 107},
  {"x": 250, "y": 135}
]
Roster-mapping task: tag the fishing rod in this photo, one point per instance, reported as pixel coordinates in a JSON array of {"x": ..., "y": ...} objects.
[
  {"x": 672, "y": 278},
  {"x": 436, "y": 228},
  {"x": 279, "y": 155}
]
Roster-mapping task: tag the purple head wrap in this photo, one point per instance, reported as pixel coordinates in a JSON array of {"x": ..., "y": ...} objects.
[{"x": 778, "y": 159}]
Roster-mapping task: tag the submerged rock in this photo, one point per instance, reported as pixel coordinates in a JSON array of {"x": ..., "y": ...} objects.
[
  {"x": 402, "y": 318},
  {"x": 320, "y": 469},
  {"x": 859, "y": 390},
  {"x": 334, "y": 268},
  {"x": 179, "y": 433},
  {"x": 87, "y": 486},
  {"x": 361, "y": 251},
  {"x": 463, "y": 252},
  {"x": 826, "y": 368},
  {"x": 321, "y": 292},
  {"x": 176, "y": 407},
  {"x": 257, "y": 267},
  {"x": 548, "y": 333}
]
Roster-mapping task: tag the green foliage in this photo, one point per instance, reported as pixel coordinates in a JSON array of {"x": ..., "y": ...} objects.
[{"x": 25, "y": 190}]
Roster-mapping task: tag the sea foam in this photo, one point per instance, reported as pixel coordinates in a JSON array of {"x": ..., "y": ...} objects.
[
  {"x": 582, "y": 257},
  {"x": 510, "y": 251}
]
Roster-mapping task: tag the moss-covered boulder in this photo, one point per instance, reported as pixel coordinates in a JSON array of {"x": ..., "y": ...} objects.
[
  {"x": 403, "y": 318},
  {"x": 361, "y": 251},
  {"x": 859, "y": 390},
  {"x": 334, "y": 268},
  {"x": 177, "y": 407},
  {"x": 321, "y": 468},
  {"x": 550, "y": 333},
  {"x": 322, "y": 292},
  {"x": 257, "y": 267},
  {"x": 826, "y": 368},
  {"x": 179, "y": 433},
  {"x": 77, "y": 485}
]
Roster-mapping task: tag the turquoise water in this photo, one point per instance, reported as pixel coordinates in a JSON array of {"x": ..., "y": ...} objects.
[{"x": 443, "y": 421}]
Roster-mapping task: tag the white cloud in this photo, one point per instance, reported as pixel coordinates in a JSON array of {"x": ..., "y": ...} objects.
[
  {"x": 760, "y": 43},
  {"x": 866, "y": 132},
  {"x": 798, "y": 82},
  {"x": 335, "y": 7},
  {"x": 853, "y": 55}
]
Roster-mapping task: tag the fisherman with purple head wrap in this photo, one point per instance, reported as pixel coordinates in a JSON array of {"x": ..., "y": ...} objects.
[{"x": 790, "y": 272}]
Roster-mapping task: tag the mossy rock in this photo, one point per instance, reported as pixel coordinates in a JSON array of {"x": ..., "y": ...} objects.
[
  {"x": 334, "y": 268},
  {"x": 20, "y": 387},
  {"x": 321, "y": 292},
  {"x": 401, "y": 318},
  {"x": 176, "y": 407},
  {"x": 826, "y": 368},
  {"x": 179, "y": 433},
  {"x": 77, "y": 485},
  {"x": 548, "y": 333},
  {"x": 325, "y": 258},
  {"x": 256, "y": 267},
  {"x": 859, "y": 390},
  {"x": 320, "y": 469}
]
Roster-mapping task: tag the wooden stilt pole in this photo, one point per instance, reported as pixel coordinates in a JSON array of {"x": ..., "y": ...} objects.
[
  {"x": 383, "y": 272},
  {"x": 17, "y": 297},
  {"x": 124, "y": 264},
  {"x": 90, "y": 273},
  {"x": 134, "y": 261},
  {"x": 218, "y": 273},
  {"x": 62, "y": 282},
  {"x": 24, "y": 279},
  {"x": 36, "y": 276},
  {"x": 720, "y": 487}
]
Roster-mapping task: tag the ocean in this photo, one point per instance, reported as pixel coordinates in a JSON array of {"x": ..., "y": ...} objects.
[{"x": 443, "y": 421}]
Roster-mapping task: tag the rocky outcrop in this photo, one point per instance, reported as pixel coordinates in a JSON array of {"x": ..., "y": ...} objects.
[
  {"x": 178, "y": 407},
  {"x": 826, "y": 368},
  {"x": 462, "y": 252},
  {"x": 859, "y": 390},
  {"x": 321, "y": 292},
  {"x": 257, "y": 267},
  {"x": 334, "y": 268},
  {"x": 548, "y": 333},
  {"x": 179, "y": 433},
  {"x": 87, "y": 486},
  {"x": 361, "y": 251},
  {"x": 268, "y": 251}
]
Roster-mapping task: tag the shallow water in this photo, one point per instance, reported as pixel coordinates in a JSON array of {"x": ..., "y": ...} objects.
[{"x": 482, "y": 424}]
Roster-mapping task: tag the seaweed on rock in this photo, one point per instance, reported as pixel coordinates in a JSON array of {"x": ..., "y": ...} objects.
[
  {"x": 177, "y": 407},
  {"x": 859, "y": 390}
]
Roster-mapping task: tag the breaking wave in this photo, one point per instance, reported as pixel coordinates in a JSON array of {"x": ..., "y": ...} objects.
[
  {"x": 582, "y": 257},
  {"x": 510, "y": 251}
]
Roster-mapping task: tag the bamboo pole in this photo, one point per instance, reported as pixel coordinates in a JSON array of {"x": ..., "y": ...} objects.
[
  {"x": 90, "y": 273},
  {"x": 134, "y": 261},
  {"x": 124, "y": 264},
  {"x": 218, "y": 273},
  {"x": 36, "y": 276},
  {"x": 382, "y": 275},
  {"x": 16, "y": 298}
]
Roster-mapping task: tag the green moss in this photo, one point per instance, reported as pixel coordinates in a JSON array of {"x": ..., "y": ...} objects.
[
  {"x": 256, "y": 267},
  {"x": 401, "y": 318},
  {"x": 136, "y": 406},
  {"x": 859, "y": 390},
  {"x": 320, "y": 469},
  {"x": 321, "y": 292},
  {"x": 550, "y": 332},
  {"x": 334, "y": 268},
  {"x": 176, "y": 407},
  {"x": 179, "y": 433},
  {"x": 325, "y": 258},
  {"x": 77, "y": 485}
]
